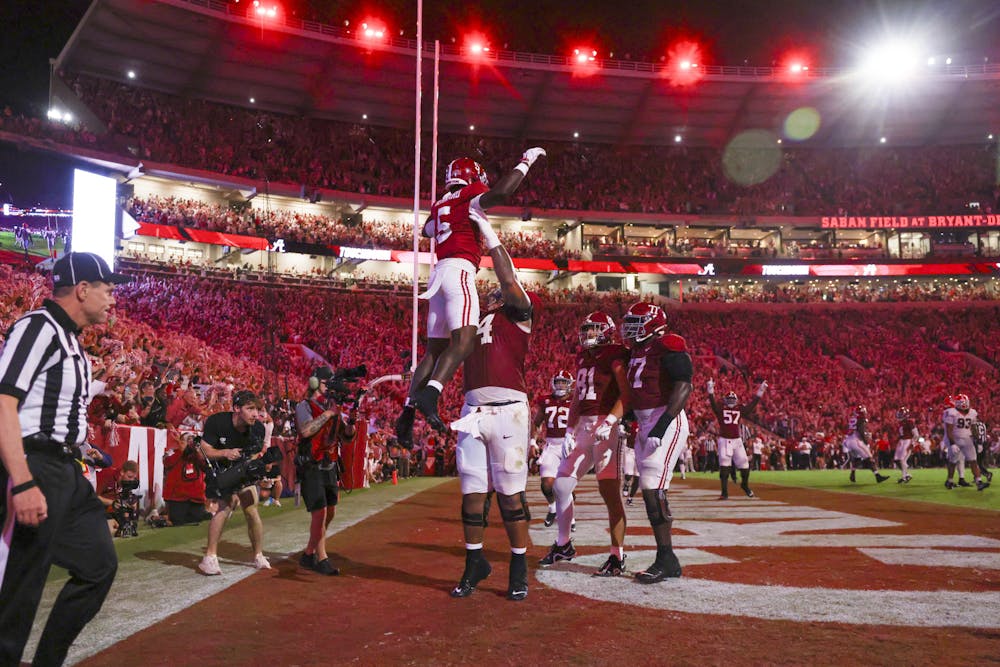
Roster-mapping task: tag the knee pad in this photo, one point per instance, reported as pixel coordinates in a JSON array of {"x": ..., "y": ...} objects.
[
  {"x": 514, "y": 508},
  {"x": 470, "y": 517},
  {"x": 657, "y": 508}
]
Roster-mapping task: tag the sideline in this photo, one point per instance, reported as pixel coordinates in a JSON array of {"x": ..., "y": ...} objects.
[{"x": 155, "y": 584}]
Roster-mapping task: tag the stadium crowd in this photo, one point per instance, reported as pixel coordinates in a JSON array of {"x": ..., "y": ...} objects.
[{"x": 364, "y": 159}]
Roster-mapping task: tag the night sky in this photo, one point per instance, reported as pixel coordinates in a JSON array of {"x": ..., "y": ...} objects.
[{"x": 756, "y": 32}]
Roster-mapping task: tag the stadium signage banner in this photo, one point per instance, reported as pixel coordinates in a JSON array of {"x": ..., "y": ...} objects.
[
  {"x": 909, "y": 222},
  {"x": 867, "y": 270}
]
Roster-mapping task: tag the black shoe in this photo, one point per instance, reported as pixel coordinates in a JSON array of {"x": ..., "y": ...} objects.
[
  {"x": 475, "y": 572},
  {"x": 629, "y": 501},
  {"x": 404, "y": 427},
  {"x": 308, "y": 561},
  {"x": 900, "y": 480},
  {"x": 880, "y": 478},
  {"x": 612, "y": 567},
  {"x": 980, "y": 485},
  {"x": 989, "y": 475},
  {"x": 668, "y": 567},
  {"x": 549, "y": 518},
  {"x": 558, "y": 553},
  {"x": 948, "y": 484},
  {"x": 572, "y": 526},
  {"x": 747, "y": 490},
  {"x": 324, "y": 567},
  {"x": 517, "y": 584},
  {"x": 852, "y": 477},
  {"x": 962, "y": 482},
  {"x": 426, "y": 401}
]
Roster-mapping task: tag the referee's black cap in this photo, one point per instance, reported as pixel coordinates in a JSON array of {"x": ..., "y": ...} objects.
[{"x": 76, "y": 267}]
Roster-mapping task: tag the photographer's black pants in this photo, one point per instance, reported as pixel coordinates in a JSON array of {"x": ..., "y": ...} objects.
[{"x": 75, "y": 536}]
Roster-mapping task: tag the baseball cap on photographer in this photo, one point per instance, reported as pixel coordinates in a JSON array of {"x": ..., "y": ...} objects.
[{"x": 77, "y": 267}]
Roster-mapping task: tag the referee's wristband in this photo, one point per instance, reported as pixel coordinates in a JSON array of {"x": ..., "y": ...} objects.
[{"x": 24, "y": 486}]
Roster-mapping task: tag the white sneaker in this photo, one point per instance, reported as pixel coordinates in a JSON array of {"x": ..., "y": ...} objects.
[
  {"x": 275, "y": 502},
  {"x": 261, "y": 563},
  {"x": 210, "y": 565},
  {"x": 267, "y": 503}
]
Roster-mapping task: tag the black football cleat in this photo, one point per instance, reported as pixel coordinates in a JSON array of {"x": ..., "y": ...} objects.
[
  {"x": 989, "y": 475},
  {"x": 404, "y": 427},
  {"x": 549, "y": 519},
  {"x": 962, "y": 482},
  {"x": 980, "y": 485},
  {"x": 880, "y": 478},
  {"x": 475, "y": 572},
  {"x": 747, "y": 490},
  {"x": 517, "y": 583},
  {"x": 724, "y": 496},
  {"x": 426, "y": 401},
  {"x": 308, "y": 561},
  {"x": 324, "y": 568},
  {"x": 852, "y": 477},
  {"x": 948, "y": 484},
  {"x": 558, "y": 553},
  {"x": 668, "y": 568},
  {"x": 613, "y": 567}
]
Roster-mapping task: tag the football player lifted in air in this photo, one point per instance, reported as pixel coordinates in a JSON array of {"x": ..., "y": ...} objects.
[
  {"x": 907, "y": 435},
  {"x": 958, "y": 425},
  {"x": 495, "y": 429},
  {"x": 856, "y": 443},
  {"x": 732, "y": 449},
  {"x": 458, "y": 224},
  {"x": 592, "y": 439},
  {"x": 552, "y": 412},
  {"x": 659, "y": 377}
]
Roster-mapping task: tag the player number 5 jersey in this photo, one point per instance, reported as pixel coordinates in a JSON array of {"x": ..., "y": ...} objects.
[{"x": 452, "y": 224}]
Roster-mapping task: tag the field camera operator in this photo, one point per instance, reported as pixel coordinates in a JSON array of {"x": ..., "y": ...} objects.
[
  {"x": 233, "y": 444},
  {"x": 325, "y": 419},
  {"x": 121, "y": 501}
]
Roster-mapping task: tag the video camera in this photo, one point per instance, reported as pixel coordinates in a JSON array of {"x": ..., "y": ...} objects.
[
  {"x": 335, "y": 383},
  {"x": 246, "y": 471},
  {"x": 125, "y": 509}
]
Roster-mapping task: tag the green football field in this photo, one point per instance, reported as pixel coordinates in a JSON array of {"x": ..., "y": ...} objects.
[
  {"x": 927, "y": 485},
  {"x": 38, "y": 247}
]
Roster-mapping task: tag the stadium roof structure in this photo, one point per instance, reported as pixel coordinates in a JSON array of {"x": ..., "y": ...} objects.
[{"x": 225, "y": 53}]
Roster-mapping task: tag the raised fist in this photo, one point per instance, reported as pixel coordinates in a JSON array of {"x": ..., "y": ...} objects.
[
  {"x": 762, "y": 388},
  {"x": 531, "y": 155},
  {"x": 711, "y": 386}
]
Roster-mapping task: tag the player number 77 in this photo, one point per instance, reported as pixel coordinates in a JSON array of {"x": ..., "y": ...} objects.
[{"x": 635, "y": 367}]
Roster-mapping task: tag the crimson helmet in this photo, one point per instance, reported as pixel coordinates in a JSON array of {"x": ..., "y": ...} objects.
[
  {"x": 464, "y": 171},
  {"x": 949, "y": 401},
  {"x": 597, "y": 329},
  {"x": 903, "y": 413},
  {"x": 730, "y": 400},
  {"x": 494, "y": 299},
  {"x": 861, "y": 411},
  {"x": 561, "y": 383},
  {"x": 642, "y": 321},
  {"x": 962, "y": 403}
]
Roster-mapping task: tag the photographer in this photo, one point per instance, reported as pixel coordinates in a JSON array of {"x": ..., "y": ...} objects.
[
  {"x": 121, "y": 502},
  {"x": 322, "y": 426},
  {"x": 233, "y": 439},
  {"x": 184, "y": 481}
]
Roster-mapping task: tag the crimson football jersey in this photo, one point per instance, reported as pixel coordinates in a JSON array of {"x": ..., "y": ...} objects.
[
  {"x": 497, "y": 359},
  {"x": 452, "y": 223},
  {"x": 906, "y": 428},
  {"x": 556, "y": 411},
  {"x": 731, "y": 418},
  {"x": 596, "y": 391},
  {"x": 651, "y": 387}
]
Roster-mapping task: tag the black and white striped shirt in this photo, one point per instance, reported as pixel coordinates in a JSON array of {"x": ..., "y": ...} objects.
[{"x": 44, "y": 367}]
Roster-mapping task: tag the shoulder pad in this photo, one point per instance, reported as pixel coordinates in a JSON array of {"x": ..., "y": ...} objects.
[{"x": 673, "y": 342}]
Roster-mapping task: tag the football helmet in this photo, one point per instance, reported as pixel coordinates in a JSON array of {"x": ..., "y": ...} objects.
[
  {"x": 860, "y": 411},
  {"x": 561, "y": 383},
  {"x": 494, "y": 299},
  {"x": 597, "y": 329},
  {"x": 730, "y": 400},
  {"x": 903, "y": 413},
  {"x": 464, "y": 171},
  {"x": 642, "y": 321},
  {"x": 962, "y": 403}
]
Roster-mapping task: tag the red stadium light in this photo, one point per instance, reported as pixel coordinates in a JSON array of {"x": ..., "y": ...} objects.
[
  {"x": 476, "y": 45},
  {"x": 684, "y": 63},
  {"x": 265, "y": 11},
  {"x": 373, "y": 30},
  {"x": 584, "y": 55}
]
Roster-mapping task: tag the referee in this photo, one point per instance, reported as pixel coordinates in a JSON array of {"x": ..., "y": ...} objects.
[{"x": 49, "y": 511}]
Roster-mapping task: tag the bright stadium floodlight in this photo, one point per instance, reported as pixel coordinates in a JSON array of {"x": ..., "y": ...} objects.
[
  {"x": 373, "y": 31},
  {"x": 894, "y": 61},
  {"x": 476, "y": 45},
  {"x": 584, "y": 55}
]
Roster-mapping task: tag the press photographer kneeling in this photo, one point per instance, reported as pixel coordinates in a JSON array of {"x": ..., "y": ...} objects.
[
  {"x": 324, "y": 422},
  {"x": 233, "y": 444}
]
